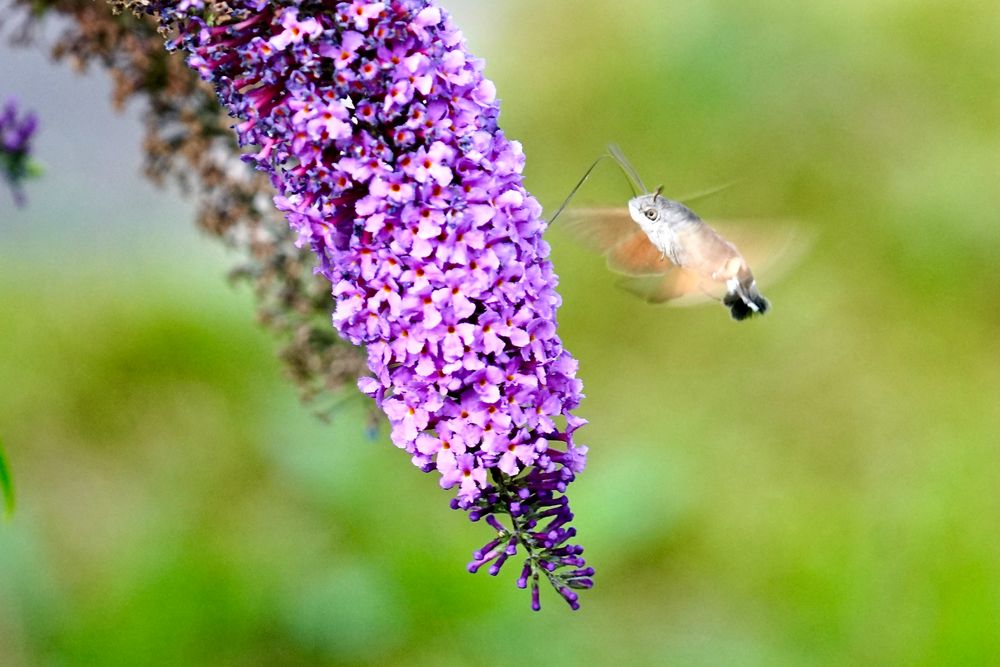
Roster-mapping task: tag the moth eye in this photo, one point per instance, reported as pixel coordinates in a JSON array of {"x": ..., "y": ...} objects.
[{"x": 651, "y": 213}]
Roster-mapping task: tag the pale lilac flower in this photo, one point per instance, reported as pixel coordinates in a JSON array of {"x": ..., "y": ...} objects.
[
  {"x": 362, "y": 12},
  {"x": 295, "y": 31}
]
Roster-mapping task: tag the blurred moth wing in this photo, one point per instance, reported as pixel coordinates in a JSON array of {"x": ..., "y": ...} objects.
[
  {"x": 647, "y": 273},
  {"x": 708, "y": 192},
  {"x": 599, "y": 229},
  {"x": 629, "y": 252},
  {"x": 771, "y": 247}
]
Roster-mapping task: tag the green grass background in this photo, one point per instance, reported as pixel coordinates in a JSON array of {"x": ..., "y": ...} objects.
[{"x": 819, "y": 487}]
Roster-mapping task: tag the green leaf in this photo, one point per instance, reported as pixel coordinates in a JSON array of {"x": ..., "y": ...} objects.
[
  {"x": 34, "y": 169},
  {"x": 6, "y": 483}
]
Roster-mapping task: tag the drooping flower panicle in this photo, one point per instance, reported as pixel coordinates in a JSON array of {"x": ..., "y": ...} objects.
[
  {"x": 16, "y": 132},
  {"x": 379, "y": 132}
]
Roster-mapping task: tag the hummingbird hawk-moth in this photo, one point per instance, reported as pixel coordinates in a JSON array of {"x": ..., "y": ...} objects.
[{"x": 664, "y": 249}]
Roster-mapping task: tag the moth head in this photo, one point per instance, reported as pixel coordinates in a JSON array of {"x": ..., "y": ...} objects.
[{"x": 645, "y": 209}]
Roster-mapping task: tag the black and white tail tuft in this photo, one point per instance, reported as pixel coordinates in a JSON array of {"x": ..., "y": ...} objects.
[{"x": 743, "y": 301}]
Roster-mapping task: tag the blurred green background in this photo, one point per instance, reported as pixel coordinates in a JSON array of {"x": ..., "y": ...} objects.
[{"x": 819, "y": 487}]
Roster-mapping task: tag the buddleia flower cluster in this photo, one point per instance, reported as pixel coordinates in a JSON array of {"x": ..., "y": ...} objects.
[
  {"x": 16, "y": 132},
  {"x": 379, "y": 133}
]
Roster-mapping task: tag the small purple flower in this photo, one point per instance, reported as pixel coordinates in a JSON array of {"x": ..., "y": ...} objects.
[
  {"x": 295, "y": 31},
  {"x": 379, "y": 131},
  {"x": 362, "y": 12},
  {"x": 16, "y": 132}
]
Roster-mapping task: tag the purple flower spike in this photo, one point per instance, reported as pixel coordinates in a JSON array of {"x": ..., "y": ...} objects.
[
  {"x": 16, "y": 133},
  {"x": 379, "y": 131}
]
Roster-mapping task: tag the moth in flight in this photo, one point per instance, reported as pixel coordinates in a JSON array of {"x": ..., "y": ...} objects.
[{"x": 666, "y": 251}]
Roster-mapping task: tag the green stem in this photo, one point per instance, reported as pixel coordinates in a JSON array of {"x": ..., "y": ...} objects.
[
  {"x": 520, "y": 533},
  {"x": 6, "y": 483}
]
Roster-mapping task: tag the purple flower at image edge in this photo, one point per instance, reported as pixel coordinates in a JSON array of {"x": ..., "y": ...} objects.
[
  {"x": 379, "y": 132},
  {"x": 16, "y": 132}
]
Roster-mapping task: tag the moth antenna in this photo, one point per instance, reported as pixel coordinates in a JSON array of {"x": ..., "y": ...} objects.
[
  {"x": 572, "y": 192},
  {"x": 615, "y": 153},
  {"x": 638, "y": 187}
]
